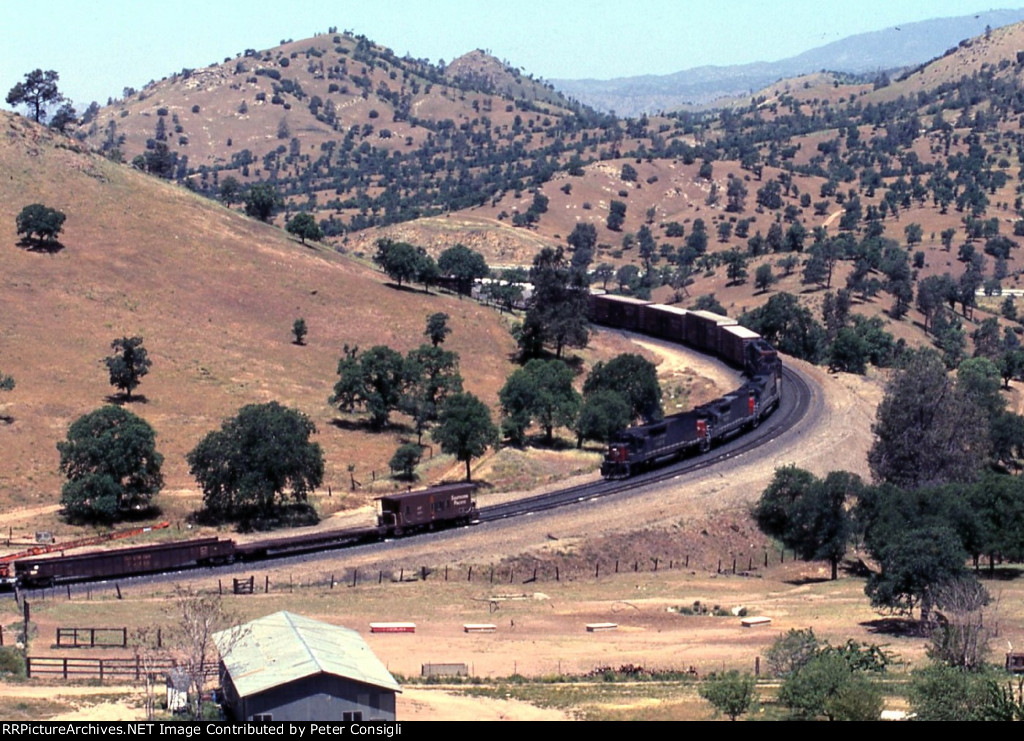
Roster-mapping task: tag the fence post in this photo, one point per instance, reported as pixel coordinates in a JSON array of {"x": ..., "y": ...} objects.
[
  {"x": 124, "y": 637},
  {"x": 28, "y": 667}
]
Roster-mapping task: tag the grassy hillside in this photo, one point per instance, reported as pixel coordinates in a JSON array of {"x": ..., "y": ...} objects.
[{"x": 213, "y": 293}]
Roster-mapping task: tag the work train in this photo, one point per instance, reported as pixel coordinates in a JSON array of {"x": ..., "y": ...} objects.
[
  {"x": 445, "y": 505},
  {"x": 635, "y": 449}
]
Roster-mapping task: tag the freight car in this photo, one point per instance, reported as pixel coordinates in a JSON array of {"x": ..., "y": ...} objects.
[
  {"x": 637, "y": 448},
  {"x": 427, "y": 509},
  {"x": 400, "y": 514},
  {"x": 145, "y": 559}
]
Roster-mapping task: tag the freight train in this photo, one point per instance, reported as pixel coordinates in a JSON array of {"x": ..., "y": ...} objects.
[
  {"x": 445, "y": 505},
  {"x": 638, "y": 448},
  {"x": 630, "y": 451}
]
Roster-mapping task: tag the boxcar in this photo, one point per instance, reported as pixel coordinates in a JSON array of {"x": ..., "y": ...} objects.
[
  {"x": 623, "y": 312},
  {"x": 703, "y": 329},
  {"x": 666, "y": 322},
  {"x": 732, "y": 344},
  {"x": 447, "y": 504},
  {"x": 123, "y": 561}
]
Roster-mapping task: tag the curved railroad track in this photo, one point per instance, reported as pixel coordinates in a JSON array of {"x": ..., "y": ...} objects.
[{"x": 798, "y": 400}]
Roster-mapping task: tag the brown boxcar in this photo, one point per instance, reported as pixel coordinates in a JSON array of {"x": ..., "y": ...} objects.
[
  {"x": 703, "y": 329},
  {"x": 732, "y": 344},
  {"x": 666, "y": 322},
  {"x": 446, "y": 504},
  {"x": 623, "y": 312}
]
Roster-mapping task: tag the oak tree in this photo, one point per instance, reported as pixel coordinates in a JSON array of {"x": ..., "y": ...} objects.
[
  {"x": 258, "y": 461},
  {"x": 111, "y": 464},
  {"x": 128, "y": 364},
  {"x": 465, "y": 429}
]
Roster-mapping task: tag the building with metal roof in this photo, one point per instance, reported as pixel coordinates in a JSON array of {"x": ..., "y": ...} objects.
[{"x": 289, "y": 667}]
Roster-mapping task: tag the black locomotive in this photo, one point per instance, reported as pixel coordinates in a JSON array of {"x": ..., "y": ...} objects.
[{"x": 637, "y": 448}]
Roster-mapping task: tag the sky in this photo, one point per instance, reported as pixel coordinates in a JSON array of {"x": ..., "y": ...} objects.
[{"x": 99, "y": 47}]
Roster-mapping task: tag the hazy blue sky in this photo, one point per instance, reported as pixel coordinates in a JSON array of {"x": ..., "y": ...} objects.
[{"x": 100, "y": 46}]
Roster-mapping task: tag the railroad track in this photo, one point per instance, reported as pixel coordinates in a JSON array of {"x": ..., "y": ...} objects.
[{"x": 797, "y": 398}]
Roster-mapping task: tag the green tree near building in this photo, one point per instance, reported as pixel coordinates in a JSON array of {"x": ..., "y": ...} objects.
[
  {"x": 557, "y": 312},
  {"x": 112, "y": 466}
]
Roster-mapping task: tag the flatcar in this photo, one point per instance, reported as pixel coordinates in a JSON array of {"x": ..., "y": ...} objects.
[{"x": 427, "y": 509}]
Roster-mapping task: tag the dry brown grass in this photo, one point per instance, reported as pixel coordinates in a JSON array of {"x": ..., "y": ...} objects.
[{"x": 214, "y": 295}]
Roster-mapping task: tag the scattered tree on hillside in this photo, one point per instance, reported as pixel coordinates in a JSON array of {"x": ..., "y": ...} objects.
[
  {"x": 375, "y": 380},
  {"x": 65, "y": 117},
  {"x": 230, "y": 189},
  {"x": 616, "y": 215},
  {"x": 257, "y": 462},
  {"x": 299, "y": 330},
  {"x": 557, "y": 313},
  {"x": 261, "y": 200},
  {"x": 304, "y": 226},
  {"x": 432, "y": 375},
  {"x": 6, "y": 382},
  {"x": 465, "y": 429},
  {"x": 404, "y": 263},
  {"x": 111, "y": 464},
  {"x": 37, "y": 92},
  {"x": 129, "y": 363},
  {"x": 464, "y": 265},
  {"x": 634, "y": 379},
  {"x": 540, "y": 392},
  {"x": 437, "y": 328},
  {"x": 40, "y": 224}
]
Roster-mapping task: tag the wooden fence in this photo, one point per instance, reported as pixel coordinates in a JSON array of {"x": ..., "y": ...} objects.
[{"x": 133, "y": 668}]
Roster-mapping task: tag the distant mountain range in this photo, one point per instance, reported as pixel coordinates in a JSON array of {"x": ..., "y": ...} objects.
[{"x": 892, "y": 48}]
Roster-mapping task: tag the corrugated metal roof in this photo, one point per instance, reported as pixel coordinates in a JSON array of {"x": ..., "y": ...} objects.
[{"x": 284, "y": 647}]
